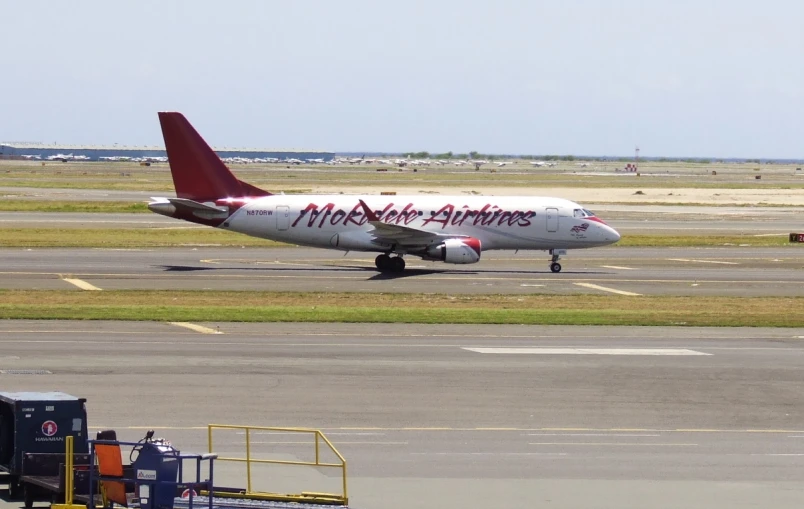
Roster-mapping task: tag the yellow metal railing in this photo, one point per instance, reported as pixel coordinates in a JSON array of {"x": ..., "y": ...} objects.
[
  {"x": 310, "y": 497},
  {"x": 69, "y": 478}
]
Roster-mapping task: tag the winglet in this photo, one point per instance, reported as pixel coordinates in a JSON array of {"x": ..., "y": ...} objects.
[{"x": 370, "y": 215}]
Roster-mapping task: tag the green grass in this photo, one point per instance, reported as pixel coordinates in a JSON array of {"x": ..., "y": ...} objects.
[
  {"x": 191, "y": 235},
  {"x": 127, "y": 238},
  {"x": 702, "y": 241},
  {"x": 73, "y": 206},
  {"x": 197, "y": 306}
]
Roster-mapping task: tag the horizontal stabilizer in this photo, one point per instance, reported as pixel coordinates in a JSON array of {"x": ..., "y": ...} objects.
[{"x": 169, "y": 206}]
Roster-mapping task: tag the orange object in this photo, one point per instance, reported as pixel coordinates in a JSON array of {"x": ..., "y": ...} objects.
[{"x": 110, "y": 463}]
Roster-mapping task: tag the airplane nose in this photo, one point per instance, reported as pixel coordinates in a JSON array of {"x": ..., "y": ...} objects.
[{"x": 612, "y": 235}]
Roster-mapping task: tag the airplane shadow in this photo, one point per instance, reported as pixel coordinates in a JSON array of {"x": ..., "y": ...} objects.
[{"x": 378, "y": 276}]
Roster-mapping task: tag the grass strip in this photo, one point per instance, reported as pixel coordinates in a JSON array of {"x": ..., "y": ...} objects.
[
  {"x": 183, "y": 235},
  {"x": 109, "y": 207},
  {"x": 703, "y": 241},
  {"x": 196, "y": 306},
  {"x": 127, "y": 238}
]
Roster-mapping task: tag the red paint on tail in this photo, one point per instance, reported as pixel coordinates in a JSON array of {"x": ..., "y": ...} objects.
[{"x": 198, "y": 172}]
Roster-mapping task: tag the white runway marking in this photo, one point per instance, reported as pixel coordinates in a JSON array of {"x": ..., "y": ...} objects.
[
  {"x": 618, "y": 444},
  {"x": 81, "y": 284},
  {"x": 617, "y": 267},
  {"x": 628, "y": 435},
  {"x": 337, "y": 442},
  {"x": 488, "y": 454},
  {"x": 607, "y": 289},
  {"x": 701, "y": 261},
  {"x": 196, "y": 327},
  {"x": 587, "y": 351},
  {"x": 780, "y": 454}
]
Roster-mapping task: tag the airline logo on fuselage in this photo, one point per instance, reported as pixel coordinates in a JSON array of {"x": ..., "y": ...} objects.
[{"x": 316, "y": 216}]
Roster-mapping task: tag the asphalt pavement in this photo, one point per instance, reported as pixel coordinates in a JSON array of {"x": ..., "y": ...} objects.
[{"x": 456, "y": 416}]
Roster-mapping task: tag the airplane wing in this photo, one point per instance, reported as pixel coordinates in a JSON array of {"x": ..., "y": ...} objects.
[{"x": 401, "y": 235}]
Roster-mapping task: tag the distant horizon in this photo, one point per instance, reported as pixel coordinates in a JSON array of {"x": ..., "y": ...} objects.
[
  {"x": 359, "y": 153},
  {"x": 587, "y": 157}
]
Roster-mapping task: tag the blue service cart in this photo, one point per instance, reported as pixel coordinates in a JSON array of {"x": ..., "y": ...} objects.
[{"x": 156, "y": 473}]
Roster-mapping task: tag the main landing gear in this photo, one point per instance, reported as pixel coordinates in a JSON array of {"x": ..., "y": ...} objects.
[
  {"x": 554, "y": 265},
  {"x": 386, "y": 263}
]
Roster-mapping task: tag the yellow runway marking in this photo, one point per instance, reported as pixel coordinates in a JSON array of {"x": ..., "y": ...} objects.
[
  {"x": 196, "y": 327},
  {"x": 607, "y": 289},
  {"x": 701, "y": 261},
  {"x": 81, "y": 284}
]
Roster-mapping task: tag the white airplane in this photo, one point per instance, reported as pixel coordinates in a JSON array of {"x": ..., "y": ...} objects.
[{"x": 452, "y": 229}]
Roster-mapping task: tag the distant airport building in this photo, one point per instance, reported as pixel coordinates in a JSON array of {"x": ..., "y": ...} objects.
[{"x": 47, "y": 152}]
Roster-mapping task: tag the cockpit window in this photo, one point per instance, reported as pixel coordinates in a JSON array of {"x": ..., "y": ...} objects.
[
  {"x": 578, "y": 213},
  {"x": 589, "y": 213}
]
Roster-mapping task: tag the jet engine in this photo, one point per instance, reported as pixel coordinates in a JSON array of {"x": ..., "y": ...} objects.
[{"x": 465, "y": 250}]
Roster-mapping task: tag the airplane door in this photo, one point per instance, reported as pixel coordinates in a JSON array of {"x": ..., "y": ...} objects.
[
  {"x": 282, "y": 218},
  {"x": 552, "y": 219}
]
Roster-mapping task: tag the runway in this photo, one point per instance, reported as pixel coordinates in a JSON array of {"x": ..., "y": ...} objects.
[
  {"x": 730, "y": 271},
  {"x": 437, "y": 416},
  {"x": 627, "y": 219}
]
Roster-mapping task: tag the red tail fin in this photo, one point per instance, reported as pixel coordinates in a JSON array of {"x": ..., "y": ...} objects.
[{"x": 198, "y": 172}]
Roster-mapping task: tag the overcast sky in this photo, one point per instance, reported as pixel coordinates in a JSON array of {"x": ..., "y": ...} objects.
[{"x": 678, "y": 78}]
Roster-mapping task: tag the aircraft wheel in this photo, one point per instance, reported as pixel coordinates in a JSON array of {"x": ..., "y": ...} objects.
[
  {"x": 14, "y": 489},
  {"x": 28, "y": 496},
  {"x": 397, "y": 264},
  {"x": 555, "y": 267},
  {"x": 383, "y": 262}
]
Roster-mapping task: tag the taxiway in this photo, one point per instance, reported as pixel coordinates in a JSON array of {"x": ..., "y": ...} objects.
[
  {"x": 732, "y": 271},
  {"x": 439, "y": 416}
]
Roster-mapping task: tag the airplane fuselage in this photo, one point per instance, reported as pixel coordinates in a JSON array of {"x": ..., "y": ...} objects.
[{"x": 338, "y": 221}]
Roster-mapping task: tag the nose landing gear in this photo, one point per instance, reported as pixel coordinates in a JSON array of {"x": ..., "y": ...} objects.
[{"x": 554, "y": 265}]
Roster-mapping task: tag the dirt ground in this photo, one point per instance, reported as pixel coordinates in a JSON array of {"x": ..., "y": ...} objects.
[{"x": 759, "y": 197}]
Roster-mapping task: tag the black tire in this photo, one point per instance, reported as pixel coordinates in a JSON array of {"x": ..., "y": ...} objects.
[
  {"x": 29, "y": 496},
  {"x": 382, "y": 262},
  {"x": 555, "y": 267},
  {"x": 397, "y": 264},
  {"x": 14, "y": 489}
]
